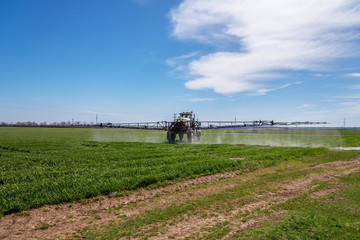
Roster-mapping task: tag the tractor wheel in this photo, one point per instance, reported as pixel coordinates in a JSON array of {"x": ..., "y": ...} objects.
[
  {"x": 168, "y": 135},
  {"x": 171, "y": 136},
  {"x": 198, "y": 135},
  {"x": 181, "y": 136},
  {"x": 190, "y": 136}
]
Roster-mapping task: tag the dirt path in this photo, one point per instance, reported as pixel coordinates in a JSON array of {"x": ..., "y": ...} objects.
[{"x": 58, "y": 221}]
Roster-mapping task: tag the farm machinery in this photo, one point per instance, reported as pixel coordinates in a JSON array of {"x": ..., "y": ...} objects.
[{"x": 185, "y": 123}]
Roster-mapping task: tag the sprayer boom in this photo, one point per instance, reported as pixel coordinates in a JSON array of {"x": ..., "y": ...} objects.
[
  {"x": 185, "y": 123},
  {"x": 255, "y": 123}
]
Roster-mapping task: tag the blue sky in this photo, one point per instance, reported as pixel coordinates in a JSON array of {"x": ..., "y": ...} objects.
[{"x": 143, "y": 60}]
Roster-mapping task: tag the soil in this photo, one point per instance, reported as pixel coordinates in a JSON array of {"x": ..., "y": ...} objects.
[{"x": 61, "y": 221}]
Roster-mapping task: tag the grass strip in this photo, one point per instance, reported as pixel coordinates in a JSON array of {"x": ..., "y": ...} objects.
[
  {"x": 156, "y": 220},
  {"x": 333, "y": 217}
]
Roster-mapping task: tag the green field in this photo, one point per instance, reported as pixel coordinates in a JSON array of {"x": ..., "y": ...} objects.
[
  {"x": 41, "y": 166},
  {"x": 275, "y": 137},
  {"x": 263, "y": 137},
  {"x": 336, "y": 216}
]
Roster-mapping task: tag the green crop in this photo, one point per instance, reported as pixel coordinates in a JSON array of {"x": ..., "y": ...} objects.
[{"x": 41, "y": 166}]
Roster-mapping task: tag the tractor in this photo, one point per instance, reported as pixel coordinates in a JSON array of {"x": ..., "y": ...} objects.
[{"x": 185, "y": 123}]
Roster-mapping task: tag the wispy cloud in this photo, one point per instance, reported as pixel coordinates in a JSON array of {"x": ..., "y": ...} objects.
[
  {"x": 349, "y": 103},
  {"x": 179, "y": 62},
  {"x": 356, "y": 96},
  {"x": 322, "y": 75},
  {"x": 141, "y": 2},
  {"x": 355, "y": 87},
  {"x": 202, "y": 99},
  {"x": 307, "y": 106},
  {"x": 264, "y": 91},
  {"x": 272, "y": 35},
  {"x": 354, "y": 75},
  {"x": 120, "y": 116},
  {"x": 348, "y": 109}
]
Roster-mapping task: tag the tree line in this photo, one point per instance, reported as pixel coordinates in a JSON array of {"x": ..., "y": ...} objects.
[{"x": 63, "y": 124}]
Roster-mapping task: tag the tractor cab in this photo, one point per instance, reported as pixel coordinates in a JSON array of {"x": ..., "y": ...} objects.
[{"x": 185, "y": 117}]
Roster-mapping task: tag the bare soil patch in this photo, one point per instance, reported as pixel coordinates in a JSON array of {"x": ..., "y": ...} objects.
[
  {"x": 286, "y": 190},
  {"x": 69, "y": 217},
  {"x": 58, "y": 221}
]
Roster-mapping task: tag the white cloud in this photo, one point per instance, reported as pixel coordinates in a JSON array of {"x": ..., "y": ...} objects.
[
  {"x": 141, "y": 2},
  {"x": 354, "y": 74},
  {"x": 202, "y": 99},
  {"x": 355, "y": 87},
  {"x": 349, "y": 96},
  {"x": 322, "y": 75},
  {"x": 348, "y": 109},
  {"x": 272, "y": 35},
  {"x": 264, "y": 91},
  {"x": 349, "y": 103},
  {"x": 307, "y": 105},
  {"x": 178, "y": 62}
]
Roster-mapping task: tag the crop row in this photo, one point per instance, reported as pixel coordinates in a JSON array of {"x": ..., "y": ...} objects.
[{"x": 49, "y": 166}]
